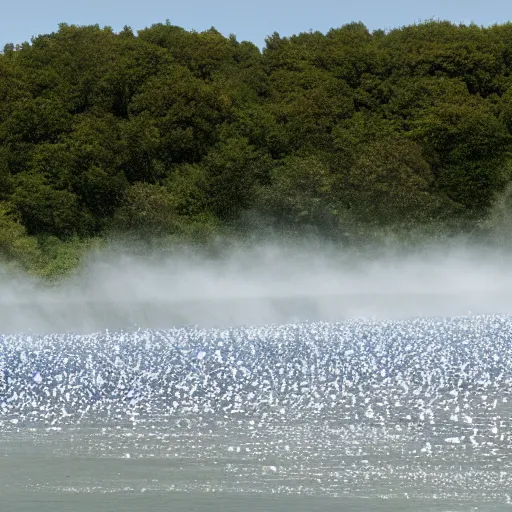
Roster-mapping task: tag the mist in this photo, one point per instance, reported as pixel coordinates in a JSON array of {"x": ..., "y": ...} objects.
[{"x": 252, "y": 284}]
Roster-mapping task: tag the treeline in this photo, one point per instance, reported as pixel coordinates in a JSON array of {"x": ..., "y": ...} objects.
[{"x": 177, "y": 135}]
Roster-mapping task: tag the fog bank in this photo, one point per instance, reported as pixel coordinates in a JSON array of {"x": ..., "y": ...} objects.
[{"x": 256, "y": 285}]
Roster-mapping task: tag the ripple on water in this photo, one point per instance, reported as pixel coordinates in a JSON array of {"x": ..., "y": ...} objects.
[{"x": 411, "y": 409}]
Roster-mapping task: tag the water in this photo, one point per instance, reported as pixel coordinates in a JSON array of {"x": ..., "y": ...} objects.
[{"x": 356, "y": 415}]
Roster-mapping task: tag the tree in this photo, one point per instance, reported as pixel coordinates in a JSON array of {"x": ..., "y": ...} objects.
[
  {"x": 391, "y": 183},
  {"x": 182, "y": 134},
  {"x": 15, "y": 245},
  {"x": 468, "y": 147},
  {"x": 148, "y": 211},
  {"x": 300, "y": 195},
  {"x": 233, "y": 168},
  {"x": 185, "y": 109},
  {"x": 45, "y": 210}
]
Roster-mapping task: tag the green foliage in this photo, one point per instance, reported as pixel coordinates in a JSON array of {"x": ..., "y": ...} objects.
[
  {"x": 148, "y": 209},
  {"x": 469, "y": 147},
  {"x": 16, "y": 247},
  {"x": 233, "y": 169},
  {"x": 300, "y": 195},
  {"x": 60, "y": 258},
  {"x": 45, "y": 209},
  {"x": 150, "y": 212},
  {"x": 391, "y": 184},
  {"x": 177, "y": 135},
  {"x": 186, "y": 112},
  {"x": 5, "y": 178},
  {"x": 37, "y": 120}
]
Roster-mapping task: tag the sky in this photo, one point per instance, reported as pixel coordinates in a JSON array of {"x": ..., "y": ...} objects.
[{"x": 250, "y": 21}]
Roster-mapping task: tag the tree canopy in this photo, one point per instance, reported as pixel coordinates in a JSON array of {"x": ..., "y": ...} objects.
[{"x": 178, "y": 134}]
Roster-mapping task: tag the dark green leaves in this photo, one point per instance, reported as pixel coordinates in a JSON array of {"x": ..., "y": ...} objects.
[{"x": 169, "y": 133}]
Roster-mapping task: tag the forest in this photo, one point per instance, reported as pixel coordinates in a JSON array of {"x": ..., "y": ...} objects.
[{"x": 165, "y": 136}]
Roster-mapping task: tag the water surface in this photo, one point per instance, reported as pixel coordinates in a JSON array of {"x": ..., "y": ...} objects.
[{"x": 355, "y": 415}]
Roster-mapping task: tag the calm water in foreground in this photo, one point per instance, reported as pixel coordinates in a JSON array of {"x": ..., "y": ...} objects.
[{"x": 359, "y": 415}]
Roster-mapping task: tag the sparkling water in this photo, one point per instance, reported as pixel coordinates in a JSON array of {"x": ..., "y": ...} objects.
[{"x": 371, "y": 415}]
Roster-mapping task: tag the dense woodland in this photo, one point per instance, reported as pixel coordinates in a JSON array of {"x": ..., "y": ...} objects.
[{"x": 172, "y": 135}]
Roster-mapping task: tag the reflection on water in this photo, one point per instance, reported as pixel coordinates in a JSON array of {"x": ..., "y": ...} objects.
[{"x": 400, "y": 415}]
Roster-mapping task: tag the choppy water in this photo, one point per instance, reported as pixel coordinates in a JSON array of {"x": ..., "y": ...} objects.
[{"x": 358, "y": 415}]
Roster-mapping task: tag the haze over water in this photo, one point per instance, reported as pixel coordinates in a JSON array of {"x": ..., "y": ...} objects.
[
  {"x": 255, "y": 285},
  {"x": 303, "y": 407}
]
